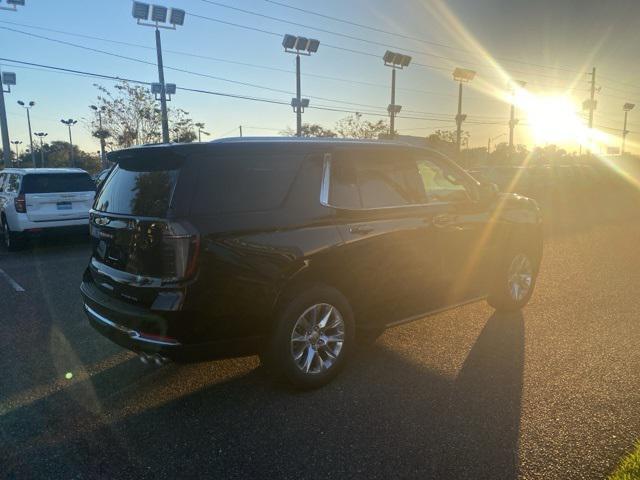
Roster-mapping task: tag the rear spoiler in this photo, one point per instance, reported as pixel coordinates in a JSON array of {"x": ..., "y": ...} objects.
[{"x": 157, "y": 157}]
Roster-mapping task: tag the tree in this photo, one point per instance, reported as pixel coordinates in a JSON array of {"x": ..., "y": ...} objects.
[
  {"x": 310, "y": 130},
  {"x": 130, "y": 116},
  {"x": 56, "y": 154},
  {"x": 353, "y": 126}
]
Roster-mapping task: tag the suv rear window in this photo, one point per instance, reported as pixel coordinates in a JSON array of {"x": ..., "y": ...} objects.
[
  {"x": 57, "y": 183},
  {"x": 140, "y": 189},
  {"x": 245, "y": 183}
]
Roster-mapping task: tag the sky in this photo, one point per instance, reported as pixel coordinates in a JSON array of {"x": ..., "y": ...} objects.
[{"x": 552, "y": 45}]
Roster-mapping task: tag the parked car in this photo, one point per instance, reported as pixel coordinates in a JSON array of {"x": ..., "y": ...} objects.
[
  {"x": 290, "y": 248},
  {"x": 33, "y": 200}
]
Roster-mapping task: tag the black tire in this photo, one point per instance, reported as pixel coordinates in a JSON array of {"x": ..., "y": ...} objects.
[
  {"x": 12, "y": 241},
  {"x": 278, "y": 356},
  {"x": 502, "y": 296}
]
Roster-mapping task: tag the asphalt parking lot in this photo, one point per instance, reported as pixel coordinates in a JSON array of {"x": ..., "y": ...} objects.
[{"x": 548, "y": 393}]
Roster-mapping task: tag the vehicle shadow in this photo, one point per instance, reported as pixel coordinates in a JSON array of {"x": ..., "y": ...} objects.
[{"x": 385, "y": 417}]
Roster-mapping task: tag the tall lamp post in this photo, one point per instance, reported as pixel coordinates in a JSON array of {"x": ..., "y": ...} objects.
[
  {"x": 299, "y": 46},
  {"x": 41, "y": 135},
  {"x": 17, "y": 144},
  {"x": 159, "y": 16},
  {"x": 461, "y": 75},
  {"x": 8, "y": 79},
  {"x": 70, "y": 123},
  {"x": 200, "y": 131},
  {"x": 395, "y": 61},
  {"x": 101, "y": 134},
  {"x": 627, "y": 107},
  {"x": 27, "y": 107}
]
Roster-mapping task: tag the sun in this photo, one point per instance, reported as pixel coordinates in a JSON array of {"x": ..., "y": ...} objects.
[{"x": 552, "y": 119}]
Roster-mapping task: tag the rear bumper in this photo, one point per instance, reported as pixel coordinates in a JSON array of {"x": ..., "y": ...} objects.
[
  {"x": 24, "y": 224},
  {"x": 141, "y": 330}
]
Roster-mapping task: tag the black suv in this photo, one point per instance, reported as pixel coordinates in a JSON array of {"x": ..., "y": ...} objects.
[{"x": 292, "y": 248}]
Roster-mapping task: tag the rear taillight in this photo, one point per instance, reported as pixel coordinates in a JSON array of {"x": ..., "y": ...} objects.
[
  {"x": 20, "y": 203},
  {"x": 180, "y": 250}
]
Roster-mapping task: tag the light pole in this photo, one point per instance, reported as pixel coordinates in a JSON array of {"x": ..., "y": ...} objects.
[
  {"x": 395, "y": 61},
  {"x": 159, "y": 15},
  {"x": 461, "y": 75},
  {"x": 17, "y": 143},
  {"x": 299, "y": 46},
  {"x": 41, "y": 135},
  {"x": 491, "y": 140},
  {"x": 70, "y": 123},
  {"x": 627, "y": 107},
  {"x": 8, "y": 79},
  {"x": 513, "y": 121},
  {"x": 27, "y": 107},
  {"x": 200, "y": 131},
  {"x": 101, "y": 134}
]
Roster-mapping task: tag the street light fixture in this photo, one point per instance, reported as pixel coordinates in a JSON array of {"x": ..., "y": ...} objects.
[
  {"x": 627, "y": 107},
  {"x": 70, "y": 123},
  {"x": 41, "y": 135},
  {"x": 155, "y": 16},
  {"x": 17, "y": 143},
  {"x": 461, "y": 75},
  {"x": 8, "y": 79},
  {"x": 491, "y": 139},
  {"x": 299, "y": 46},
  {"x": 28, "y": 107},
  {"x": 395, "y": 61}
]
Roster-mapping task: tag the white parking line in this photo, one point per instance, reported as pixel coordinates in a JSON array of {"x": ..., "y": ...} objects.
[{"x": 16, "y": 286}]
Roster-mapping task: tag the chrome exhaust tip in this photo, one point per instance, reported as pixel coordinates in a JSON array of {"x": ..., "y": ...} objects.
[
  {"x": 153, "y": 359},
  {"x": 144, "y": 358}
]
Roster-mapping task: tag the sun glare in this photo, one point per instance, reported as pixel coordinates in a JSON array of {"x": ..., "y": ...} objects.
[{"x": 552, "y": 118}]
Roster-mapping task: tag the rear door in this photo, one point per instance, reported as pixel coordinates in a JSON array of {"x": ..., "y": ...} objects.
[
  {"x": 57, "y": 196},
  {"x": 390, "y": 253}
]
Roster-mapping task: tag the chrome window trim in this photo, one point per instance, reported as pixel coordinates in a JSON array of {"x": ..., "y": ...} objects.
[{"x": 325, "y": 187}]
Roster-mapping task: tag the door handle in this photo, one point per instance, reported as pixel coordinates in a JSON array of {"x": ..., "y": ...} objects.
[
  {"x": 361, "y": 229},
  {"x": 442, "y": 220}
]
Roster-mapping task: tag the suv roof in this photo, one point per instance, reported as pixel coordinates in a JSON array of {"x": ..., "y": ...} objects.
[
  {"x": 31, "y": 171},
  {"x": 233, "y": 143}
]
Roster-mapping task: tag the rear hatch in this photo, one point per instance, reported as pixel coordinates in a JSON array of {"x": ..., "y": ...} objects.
[
  {"x": 137, "y": 247},
  {"x": 58, "y": 196}
]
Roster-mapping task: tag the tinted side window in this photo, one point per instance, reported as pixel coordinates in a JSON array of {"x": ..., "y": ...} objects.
[
  {"x": 440, "y": 185},
  {"x": 374, "y": 180},
  {"x": 12, "y": 184},
  {"x": 244, "y": 183}
]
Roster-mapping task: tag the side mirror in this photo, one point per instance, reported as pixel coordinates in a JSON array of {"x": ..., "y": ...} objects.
[{"x": 488, "y": 192}]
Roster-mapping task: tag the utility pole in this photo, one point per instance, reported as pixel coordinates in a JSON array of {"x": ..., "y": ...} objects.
[
  {"x": 241, "y": 130},
  {"x": 395, "y": 61},
  {"x": 100, "y": 134},
  {"x": 459, "y": 118},
  {"x": 5, "y": 79},
  {"x": 298, "y": 106},
  {"x": 591, "y": 105},
  {"x": 461, "y": 75},
  {"x": 513, "y": 121}
]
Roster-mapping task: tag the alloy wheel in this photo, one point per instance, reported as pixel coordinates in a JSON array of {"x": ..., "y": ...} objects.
[
  {"x": 520, "y": 277},
  {"x": 317, "y": 338}
]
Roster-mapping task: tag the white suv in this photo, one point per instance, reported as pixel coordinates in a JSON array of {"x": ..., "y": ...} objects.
[{"x": 37, "y": 199}]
